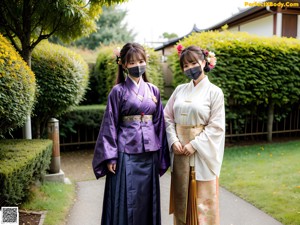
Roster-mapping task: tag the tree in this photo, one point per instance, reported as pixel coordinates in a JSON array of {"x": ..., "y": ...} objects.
[
  {"x": 169, "y": 36},
  {"x": 27, "y": 22},
  {"x": 110, "y": 29}
]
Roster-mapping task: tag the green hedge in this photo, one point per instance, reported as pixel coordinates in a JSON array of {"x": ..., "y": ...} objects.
[
  {"x": 83, "y": 123},
  {"x": 103, "y": 75},
  {"x": 254, "y": 72},
  {"x": 250, "y": 69},
  {"x": 62, "y": 76},
  {"x": 82, "y": 116},
  {"x": 22, "y": 162},
  {"x": 17, "y": 88}
]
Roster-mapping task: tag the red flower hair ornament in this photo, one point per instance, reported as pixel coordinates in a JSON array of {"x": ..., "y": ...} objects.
[
  {"x": 211, "y": 59},
  {"x": 179, "y": 49}
]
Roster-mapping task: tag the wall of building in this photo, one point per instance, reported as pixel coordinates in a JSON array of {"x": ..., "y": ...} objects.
[
  {"x": 233, "y": 29},
  {"x": 298, "y": 27},
  {"x": 261, "y": 27}
]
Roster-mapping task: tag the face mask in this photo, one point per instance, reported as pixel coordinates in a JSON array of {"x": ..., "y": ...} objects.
[
  {"x": 193, "y": 73},
  {"x": 137, "y": 71}
]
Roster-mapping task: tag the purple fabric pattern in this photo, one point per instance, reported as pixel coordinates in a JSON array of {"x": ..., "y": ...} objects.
[{"x": 131, "y": 137}]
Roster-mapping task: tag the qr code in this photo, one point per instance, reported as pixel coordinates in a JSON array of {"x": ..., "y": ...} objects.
[{"x": 10, "y": 215}]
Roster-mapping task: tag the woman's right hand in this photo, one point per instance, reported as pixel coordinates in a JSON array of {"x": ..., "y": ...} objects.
[
  {"x": 177, "y": 148},
  {"x": 112, "y": 167}
]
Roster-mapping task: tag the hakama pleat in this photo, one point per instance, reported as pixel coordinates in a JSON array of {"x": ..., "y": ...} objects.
[{"x": 132, "y": 195}]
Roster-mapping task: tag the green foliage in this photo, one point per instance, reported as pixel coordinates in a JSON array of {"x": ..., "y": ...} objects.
[
  {"x": 253, "y": 68},
  {"x": 169, "y": 35},
  {"x": 267, "y": 176},
  {"x": 110, "y": 29},
  {"x": 62, "y": 76},
  {"x": 68, "y": 19},
  {"x": 17, "y": 88},
  {"x": 89, "y": 116},
  {"x": 22, "y": 162},
  {"x": 104, "y": 75},
  {"x": 253, "y": 71},
  {"x": 55, "y": 198},
  {"x": 154, "y": 70}
]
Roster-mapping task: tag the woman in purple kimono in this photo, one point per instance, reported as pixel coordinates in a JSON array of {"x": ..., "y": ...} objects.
[{"x": 131, "y": 149}]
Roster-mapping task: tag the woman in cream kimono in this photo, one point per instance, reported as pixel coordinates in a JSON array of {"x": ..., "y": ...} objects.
[{"x": 195, "y": 125}]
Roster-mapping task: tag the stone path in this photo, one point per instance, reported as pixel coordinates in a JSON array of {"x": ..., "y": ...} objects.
[{"x": 233, "y": 210}]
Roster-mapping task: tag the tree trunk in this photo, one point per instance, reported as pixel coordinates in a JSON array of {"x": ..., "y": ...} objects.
[
  {"x": 37, "y": 133},
  {"x": 270, "y": 121},
  {"x": 26, "y": 55}
]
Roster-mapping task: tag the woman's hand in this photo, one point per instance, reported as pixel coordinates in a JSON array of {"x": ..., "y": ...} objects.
[
  {"x": 177, "y": 148},
  {"x": 188, "y": 150},
  {"x": 112, "y": 167}
]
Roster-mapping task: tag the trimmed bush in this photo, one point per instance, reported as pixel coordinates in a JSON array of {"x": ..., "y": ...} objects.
[
  {"x": 254, "y": 72},
  {"x": 80, "y": 126},
  {"x": 250, "y": 68},
  {"x": 62, "y": 77},
  {"x": 103, "y": 76},
  {"x": 82, "y": 116},
  {"x": 154, "y": 70},
  {"x": 17, "y": 88},
  {"x": 22, "y": 162}
]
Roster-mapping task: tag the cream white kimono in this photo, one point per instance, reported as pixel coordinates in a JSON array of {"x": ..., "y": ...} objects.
[{"x": 202, "y": 104}]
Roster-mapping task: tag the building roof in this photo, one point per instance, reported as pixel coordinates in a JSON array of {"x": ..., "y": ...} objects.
[
  {"x": 251, "y": 13},
  {"x": 243, "y": 15},
  {"x": 173, "y": 41}
]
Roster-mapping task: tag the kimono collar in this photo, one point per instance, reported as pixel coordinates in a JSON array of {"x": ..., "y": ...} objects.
[
  {"x": 134, "y": 82},
  {"x": 202, "y": 83},
  {"x": 137, "y": 90}
]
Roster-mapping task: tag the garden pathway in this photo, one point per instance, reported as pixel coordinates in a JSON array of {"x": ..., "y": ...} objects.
[{"x": 88, "y": 204}]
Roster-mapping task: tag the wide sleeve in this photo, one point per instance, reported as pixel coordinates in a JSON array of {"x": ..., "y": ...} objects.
[
  {"x": 170, "y": 121},
  {"x": 106, "y": 144},
  {"x": 209, "y": 144},
  {"x": 160, "y": 130}
]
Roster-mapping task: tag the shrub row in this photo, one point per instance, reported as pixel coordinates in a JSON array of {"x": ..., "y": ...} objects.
[
  {"x": 253, "y": 72},
  {"x": 22, "y": 162},
  {"x": 87, "y": 116},
  {"x": 83, "y": 123}
]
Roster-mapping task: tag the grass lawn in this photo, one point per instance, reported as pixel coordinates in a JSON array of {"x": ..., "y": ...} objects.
[
  {"x": 55, "y": 198},
  {"x": 268, "y": 176}
]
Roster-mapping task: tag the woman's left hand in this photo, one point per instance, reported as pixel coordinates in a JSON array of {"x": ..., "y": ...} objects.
[{"x": 188, "y": 150}]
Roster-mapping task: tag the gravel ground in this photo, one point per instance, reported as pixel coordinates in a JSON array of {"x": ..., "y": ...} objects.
[{"x": 77, "y": 164}]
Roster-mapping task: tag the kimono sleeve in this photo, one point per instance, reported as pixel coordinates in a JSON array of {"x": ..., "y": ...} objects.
[
  {"x": 106, "y": 148},
  {"x": 160, "y": 129},
  {"x": 210, "y": 143}
]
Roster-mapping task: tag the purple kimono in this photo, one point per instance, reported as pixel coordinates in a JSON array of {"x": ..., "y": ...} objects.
[{"x": 140, "y": 150}]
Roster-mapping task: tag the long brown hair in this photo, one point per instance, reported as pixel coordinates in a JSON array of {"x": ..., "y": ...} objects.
[{"x": 128, "y": 52}]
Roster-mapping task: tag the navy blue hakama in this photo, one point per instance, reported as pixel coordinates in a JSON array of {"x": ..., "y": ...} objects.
[{"x": 132, "y": 195}]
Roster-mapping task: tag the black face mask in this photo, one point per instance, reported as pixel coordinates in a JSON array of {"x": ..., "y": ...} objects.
[
  {"x": 137, "y": 71},
  {"x": 193, "y": 73}
]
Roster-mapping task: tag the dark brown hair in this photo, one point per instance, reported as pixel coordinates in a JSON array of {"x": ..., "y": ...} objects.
[
  {"x": 130, "y": 51},
  {"x": 193, "y": 54}
]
